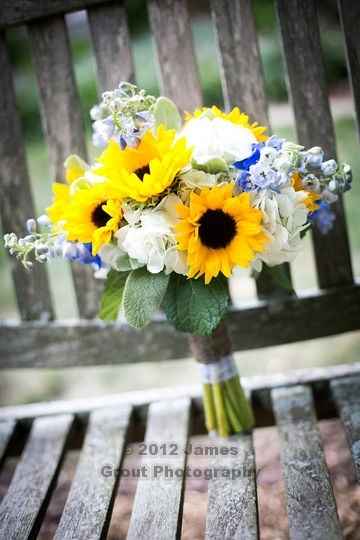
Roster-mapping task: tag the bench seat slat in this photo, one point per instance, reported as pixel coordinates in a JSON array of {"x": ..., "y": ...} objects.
[
  {"x": 6, "y": 430},
  {"x": 62, "y": 122},
  {"x": 88, "y": 507},
  {"x": 179, "y": 77},
  {"x": 16, "y": 202},
  {"x": 158, "y": 501},
  {"x": 347, "y": 398},
  {"x": 25, "y": 502},
  {"x": 310, "y": 499},
  {"x": 232, "y": 507},
  {"x": 299, "y": 26},
  {"x": 111, "y": 41}
]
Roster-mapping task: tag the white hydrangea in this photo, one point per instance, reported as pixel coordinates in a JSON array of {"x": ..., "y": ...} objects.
[
  {"x": 149, "y": 239},
  {"x": 215, "y": 138},
  {"x": 285, "y": 216}
]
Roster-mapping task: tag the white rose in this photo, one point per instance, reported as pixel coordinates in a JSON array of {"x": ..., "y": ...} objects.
[{"x": 218, "y": 138}]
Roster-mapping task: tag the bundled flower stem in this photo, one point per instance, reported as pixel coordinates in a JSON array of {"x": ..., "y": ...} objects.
[{"x": 226, "y": 408}]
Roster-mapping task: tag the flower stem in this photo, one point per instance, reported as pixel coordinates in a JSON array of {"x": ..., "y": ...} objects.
[
  {"x": 221, "y": 417},
  {"x": 209, "y": 408}
]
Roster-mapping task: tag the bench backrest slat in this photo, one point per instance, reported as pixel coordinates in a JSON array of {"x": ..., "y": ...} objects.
[
  {"x": 111, "y": 42},
  {"x": 243, "y": 80},
  {"x": 350, "y": 16},
  {"x": 16, "y": 202},
  {"x": 299, "y": 26},
  {"x": 240, "y": 64},
  {"x": 62, "y": 122},
  {"x": 179, "y": 77}
]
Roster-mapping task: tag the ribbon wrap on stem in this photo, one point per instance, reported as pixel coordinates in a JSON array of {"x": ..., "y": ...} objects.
[{"x": 226, "y": 407}]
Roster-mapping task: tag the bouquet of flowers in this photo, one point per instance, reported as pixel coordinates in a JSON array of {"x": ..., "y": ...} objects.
[{"x": 171, "y": 208}]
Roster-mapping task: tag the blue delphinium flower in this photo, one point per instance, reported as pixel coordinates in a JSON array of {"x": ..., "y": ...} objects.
[
  {"x": 275, "y": 142},
  {"x": 245, "y": 164},
  {"x": 81, "y": 253},
  {"x": 243, "y": 182},
  {"x": 323, "y": 218}
]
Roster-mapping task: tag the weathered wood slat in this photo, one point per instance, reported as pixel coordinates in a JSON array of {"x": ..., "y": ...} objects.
[
  {"x": 111, "y": 41},
  {"x": 68, "y": 343},
  {"x": 158, "y": 501},
  {"x": 16, "y": 203},
  {"x": 23, "y": 506},
  {"x": 232, "y": 506},
  {"x": 350, "y": 16},
  {"x": 174, "y": 45},
  {"x": 258, "y": 385},
  {"x": 6, "y": 430},
  {"x": 241, "y": 70},
  {"x": 243, "y": 81},
  {"x": 62, "y": 121},
  {"x": 302, "y": 50},
  {"x": 88, "y": 507},
  {"x": 23, "y": 11},
  {"x": 347, "y": 398},
  {"x": 310, "y": 500}
]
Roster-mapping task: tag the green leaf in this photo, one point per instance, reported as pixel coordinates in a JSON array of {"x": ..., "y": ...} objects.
[
  {"x": 112, "y": 296},
  {"x": 213, "y": 166},
  {"x": 280, "y": 276},
  {"x": 195, "y": 307},
  {"x": 166, "y": 113},
  {"x": 143, "y": 295}
]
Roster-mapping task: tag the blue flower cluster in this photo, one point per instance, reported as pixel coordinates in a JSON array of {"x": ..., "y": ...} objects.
[{"x": 81, "y": 253}]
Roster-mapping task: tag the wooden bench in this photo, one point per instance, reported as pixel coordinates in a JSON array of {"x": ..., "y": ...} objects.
[{"x": 42, "y": 434}]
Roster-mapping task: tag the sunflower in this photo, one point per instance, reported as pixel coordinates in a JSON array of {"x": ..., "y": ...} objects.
[
  {"x": 235, "y": 116},
  {"x": 312, "y": 199},
  {"x": 147, "y": 170},
  {"x": 219, "y": 231},
  {"x": 75, "y": 169},
  {"x": 93, "y": 215}
]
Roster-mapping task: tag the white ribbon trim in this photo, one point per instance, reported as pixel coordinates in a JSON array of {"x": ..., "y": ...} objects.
[{"x": 222, "y": 370}]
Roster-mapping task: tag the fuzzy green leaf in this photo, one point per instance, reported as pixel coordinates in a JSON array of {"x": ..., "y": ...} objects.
[
  {"x": 195, "y": 307},
  {"x": 112, "y": 296},
  {"x": 166, "y": 113},
  {"x": 143, "y": 295}
]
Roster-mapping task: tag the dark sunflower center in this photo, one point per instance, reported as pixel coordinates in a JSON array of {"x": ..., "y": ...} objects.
[
  {"x": 99, "y": 217},
  {"x": 216, "y": 229},
  {"x": 143, "y": 170}
]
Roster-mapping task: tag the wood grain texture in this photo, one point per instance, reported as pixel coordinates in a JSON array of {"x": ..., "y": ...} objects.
[
  {"x": 88, "y": 507},
  {"x": 350, "y": 17},
  {"x": 232, "y": 507},
  {"x": 157, "y": 508},
  {"x": 310, "y": 499},
  {"x": 112, "y": 47},
  {"x": 6, "y": 430},
  {"x": 258, "y": 385},
  {"x": 22, "y": 508},
  {"x": 243, "y": 82},
  {"x": 62, "y": 123},
  {"x": 347, "y": 398},
  {"x": 16, "y": 203},
  {"x": 22, "y": 11},
  {"x": 179, "y": 77},
  {"x": 299, "y": 26},
  {"x": 68, "y": 343},
  {"x": 241, "y": 70}
]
